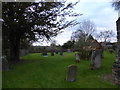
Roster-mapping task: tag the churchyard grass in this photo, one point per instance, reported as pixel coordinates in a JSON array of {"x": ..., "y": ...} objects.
[{"x": 36, "y": 71}]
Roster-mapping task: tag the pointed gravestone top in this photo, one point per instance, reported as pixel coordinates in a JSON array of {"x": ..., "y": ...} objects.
[{"x": 71, "y": 73}]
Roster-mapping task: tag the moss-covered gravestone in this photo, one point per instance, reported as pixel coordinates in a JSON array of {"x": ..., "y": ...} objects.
[{"x": 71, "y": 73}]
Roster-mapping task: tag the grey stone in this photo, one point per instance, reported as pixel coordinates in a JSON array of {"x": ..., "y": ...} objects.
[
  {"x": 68, "y": 50},
  {"x": 52, "y": 53},
  {"x": 96, "y": 59},
  {"x": 71, "y": 73},
  {"x": 77, "y": 55},
  {"x": 61, "y": 53},
  {"x": 44, "y": 54}
]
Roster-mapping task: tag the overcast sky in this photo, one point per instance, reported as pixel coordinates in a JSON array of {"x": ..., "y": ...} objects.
[{"x": 99, "y": 11}]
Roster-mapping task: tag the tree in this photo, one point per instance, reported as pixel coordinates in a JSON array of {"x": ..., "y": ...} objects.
[
  {"x": 87, "y": 27},
  {"x": 33, "y": 21},
  {"x": 106, "y": 35},
  {"x": 82, "y": 37},
  {"x": 116, "y": 4},
  {"x": 68, "y": 45},
  {"x": 83, "y": 34}
]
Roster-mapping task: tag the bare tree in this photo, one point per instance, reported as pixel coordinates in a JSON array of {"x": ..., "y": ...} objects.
[
  {"x": 87, "y": 27},
  {"x": 53, "y": 43},
  {"x": 116, "y": 4},
  {"x": 105, "y": 36}
]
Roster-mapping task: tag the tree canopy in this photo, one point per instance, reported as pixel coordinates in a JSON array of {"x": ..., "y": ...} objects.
[{"x": 30, "y": 21}]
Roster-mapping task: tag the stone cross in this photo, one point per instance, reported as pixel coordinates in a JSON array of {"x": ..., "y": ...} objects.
[{"x": 71, "y": 73}]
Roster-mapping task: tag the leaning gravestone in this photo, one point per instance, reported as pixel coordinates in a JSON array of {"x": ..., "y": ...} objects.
[{"x": 71, "y": 73}]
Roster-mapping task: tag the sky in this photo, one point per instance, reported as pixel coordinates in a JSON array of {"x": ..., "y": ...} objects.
[{"x": 99, "y": 11}]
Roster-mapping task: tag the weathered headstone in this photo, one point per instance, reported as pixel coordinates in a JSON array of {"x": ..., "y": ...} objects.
[
  {"x": 44, "y": 54},
  {"x": 61, "y": 53},
  {"x": 56, "y": 52},
  {"x": 77, "y": 55},
  {"x": 96, "y": 59},
  {"x": 52, "y": 53},
  {"x": 71, "y": 73},
  {"x": 68, "y": 50}
]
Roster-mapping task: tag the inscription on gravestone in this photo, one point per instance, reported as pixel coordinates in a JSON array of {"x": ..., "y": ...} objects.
[{"x": 71, "y": 73}]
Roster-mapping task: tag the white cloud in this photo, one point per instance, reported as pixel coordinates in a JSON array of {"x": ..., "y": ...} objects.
[
  {"x": 99, "y": 11},
  {"x": 64, "y": 37}
]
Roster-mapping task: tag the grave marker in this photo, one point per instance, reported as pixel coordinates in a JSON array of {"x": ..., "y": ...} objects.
[
  {"x": 96, "y": 59},
  {"x": 61, "y": 53},
  {"x": 77, "y": 55},
  {"x": 52, "y": 53},
  {"x": 71, "y": 73}
]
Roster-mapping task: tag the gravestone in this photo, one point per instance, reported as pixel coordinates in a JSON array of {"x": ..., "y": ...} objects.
[
  {"x": 96, "y": 59},
  {"x": 71, "y": 73},
  {"x": 61, "y": 53},
  {"x": 5, "y": 65},
  {"x": 44, "y": 54},
  {"x": 52, "y": 53},
  {"x": 68, "y": 50},
  {"x": 77, "y": 55},
  {"x": 56, "y": 52}
]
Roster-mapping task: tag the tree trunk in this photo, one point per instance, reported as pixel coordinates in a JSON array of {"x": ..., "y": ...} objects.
[{"x": 14, "y": 47}]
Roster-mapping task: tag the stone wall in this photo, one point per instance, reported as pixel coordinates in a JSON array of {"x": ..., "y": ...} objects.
[
  {"x": 118, "y": 38},
  {"x": 116, "y": 65}
]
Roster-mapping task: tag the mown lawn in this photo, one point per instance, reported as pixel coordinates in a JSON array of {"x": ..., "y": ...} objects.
[{"x": 36, "y": 71}]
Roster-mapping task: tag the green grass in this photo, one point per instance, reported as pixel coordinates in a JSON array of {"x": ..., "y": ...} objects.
[{"x": 49, "y": 72}]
